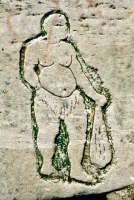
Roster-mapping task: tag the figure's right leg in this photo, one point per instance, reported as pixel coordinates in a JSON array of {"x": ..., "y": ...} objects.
[{"x": 48, "y": 127}]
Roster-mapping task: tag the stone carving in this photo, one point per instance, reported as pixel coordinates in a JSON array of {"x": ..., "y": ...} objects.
[{"x": 69, "y": 105}]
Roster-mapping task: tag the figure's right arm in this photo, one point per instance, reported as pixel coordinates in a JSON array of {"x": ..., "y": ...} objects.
[{"x": 29, "y": 76}]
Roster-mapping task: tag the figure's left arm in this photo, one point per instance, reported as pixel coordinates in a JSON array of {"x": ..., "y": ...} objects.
[{"x": 84, "y": 82}]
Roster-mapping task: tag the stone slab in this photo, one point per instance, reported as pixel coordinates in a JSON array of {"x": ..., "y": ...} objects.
[{"x": 63, "y": 132}]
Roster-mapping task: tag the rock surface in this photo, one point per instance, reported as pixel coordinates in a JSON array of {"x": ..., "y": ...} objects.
[
  {"x": 67, "y": 104},
  {"x": 126, "y": 193}
]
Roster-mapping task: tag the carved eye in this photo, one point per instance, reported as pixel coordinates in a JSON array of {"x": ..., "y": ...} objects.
[{"x": 59, "y": 24}]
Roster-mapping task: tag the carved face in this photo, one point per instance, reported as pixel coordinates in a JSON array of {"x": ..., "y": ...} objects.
[{"x": 55, "y": 26}]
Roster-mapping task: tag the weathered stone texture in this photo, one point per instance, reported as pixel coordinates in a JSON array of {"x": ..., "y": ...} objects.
[{"x": 104, "y": 34}]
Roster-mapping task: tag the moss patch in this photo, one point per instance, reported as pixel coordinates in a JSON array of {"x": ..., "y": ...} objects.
[{"x": 60, "y": 159}]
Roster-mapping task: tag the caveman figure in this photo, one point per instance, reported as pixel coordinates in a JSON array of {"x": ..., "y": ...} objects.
[{"x": 59, "y": 79}]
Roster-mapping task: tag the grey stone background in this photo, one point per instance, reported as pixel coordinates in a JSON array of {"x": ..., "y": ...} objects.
[{"x": 104, "y": 33}]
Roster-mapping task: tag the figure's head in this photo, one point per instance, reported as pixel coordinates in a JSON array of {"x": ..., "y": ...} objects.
[{"x": 56, "y": 22}]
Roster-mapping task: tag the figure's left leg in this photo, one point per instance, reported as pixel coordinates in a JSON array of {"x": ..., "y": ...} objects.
[
  {"x": 100, "y": 147},
  {"x": 99, "y": 138},
  {"x": 76, "y": 124}
]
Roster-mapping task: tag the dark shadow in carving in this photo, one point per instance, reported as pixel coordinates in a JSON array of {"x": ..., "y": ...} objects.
[{"x": 85, "y": 197}]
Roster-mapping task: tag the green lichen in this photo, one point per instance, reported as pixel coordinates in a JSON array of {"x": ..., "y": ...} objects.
[
  {"x": 60, "y": 159},
  {"x": 90, "y": 107},
  {"x": 39, "y": 157}
]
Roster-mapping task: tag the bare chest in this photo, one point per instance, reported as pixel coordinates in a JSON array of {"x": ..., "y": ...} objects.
[
  {"x": 56, "y": 53},
  {"x": 56, "y": 77}
]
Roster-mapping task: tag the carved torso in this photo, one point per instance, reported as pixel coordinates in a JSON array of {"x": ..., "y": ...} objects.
[{"x": 55, "y": 75}]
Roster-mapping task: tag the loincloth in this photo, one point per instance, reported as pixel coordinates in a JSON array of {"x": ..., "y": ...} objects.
[{"x": 63, "y": 106}]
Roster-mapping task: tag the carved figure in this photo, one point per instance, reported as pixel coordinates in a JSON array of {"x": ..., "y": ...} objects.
[{"x": 68, "y": 104}]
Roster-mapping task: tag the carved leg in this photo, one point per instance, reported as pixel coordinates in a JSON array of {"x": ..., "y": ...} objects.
[
  {"x": 48, "y": 125},
  {"x": 100, "y": 150},
  {"x": 76, "y": 125}
]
